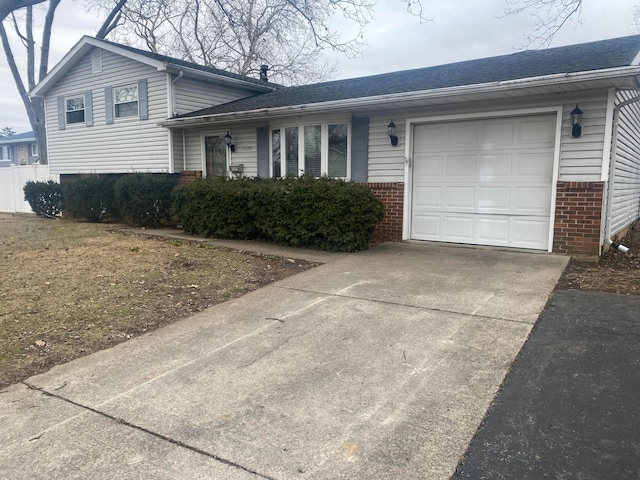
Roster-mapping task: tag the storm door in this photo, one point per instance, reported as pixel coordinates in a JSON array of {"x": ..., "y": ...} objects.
[{"x": 215, "y": 156}]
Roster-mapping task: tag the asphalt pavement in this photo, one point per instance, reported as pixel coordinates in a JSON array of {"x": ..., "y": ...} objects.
[{"x": 570, "y": 407}]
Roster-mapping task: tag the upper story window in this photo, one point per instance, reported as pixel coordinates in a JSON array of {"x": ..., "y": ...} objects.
[
  {"x": 318, "y": 149},
  {"x": 126, "y": 101},
  {"x": 34, "y": 150},
  {"x": 74, "y": 110}
]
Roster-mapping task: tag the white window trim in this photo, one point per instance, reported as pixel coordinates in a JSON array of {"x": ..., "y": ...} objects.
[
  {"x": 84, "y": 110},
  {"x": 34, "y": 149},
  {"x": 324, "y": 144},
  {"x": 116, "y": 103}
]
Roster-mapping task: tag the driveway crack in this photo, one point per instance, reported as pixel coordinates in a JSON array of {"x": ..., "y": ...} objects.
[
  {"x": 408, "y": 305},
  {"x": 160, "y": 436}
]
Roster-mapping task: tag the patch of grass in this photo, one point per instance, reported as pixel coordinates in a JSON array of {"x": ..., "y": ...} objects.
[{"x": 68, "y": 288}]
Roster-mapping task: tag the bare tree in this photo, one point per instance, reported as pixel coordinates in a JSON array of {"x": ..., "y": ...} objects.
[
  {"x": 241, "y": 35},
  {"x": 22, "y": 23},
  {"x": 549, "y": 16},
  {"x": 8, "y": 6},
  {"x": 7, "y": 132}
]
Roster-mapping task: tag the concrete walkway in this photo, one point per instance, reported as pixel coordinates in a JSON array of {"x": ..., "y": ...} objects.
[{"x": 375, "y": 365}]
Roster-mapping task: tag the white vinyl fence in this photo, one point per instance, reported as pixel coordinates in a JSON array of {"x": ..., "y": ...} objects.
[{"x": 12, "y": 182}]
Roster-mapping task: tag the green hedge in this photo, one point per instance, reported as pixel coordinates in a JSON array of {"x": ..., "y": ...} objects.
[
  {"x": 144, "y": 200},
  {"x": 322, "y": 213},
  {"x": 91, "y": 198},
  {"x": 216, "y": 207},
  {"x": 45, "y": 198}
]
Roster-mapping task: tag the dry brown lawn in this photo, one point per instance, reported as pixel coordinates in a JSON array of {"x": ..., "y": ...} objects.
[{"x": 68, "y": 289}]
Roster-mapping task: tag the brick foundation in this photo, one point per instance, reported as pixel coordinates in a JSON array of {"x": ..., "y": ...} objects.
[
  {"x": 578, "y": 218},
  {"x": 392, "y": 195},
  {"x": 188, "y": 176}
]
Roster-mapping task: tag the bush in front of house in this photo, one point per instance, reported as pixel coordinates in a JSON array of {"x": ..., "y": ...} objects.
[
  {"x": 216, "y": 207},
  {"x": 322, "y": 213},
  {"x": 144, "y": 199},
  {"x": 45, "y": 198},
  {"x": 91, "y": 198}
]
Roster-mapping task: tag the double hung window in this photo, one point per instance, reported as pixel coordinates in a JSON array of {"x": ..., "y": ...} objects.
[
  {"x": 74, "y": 110},
  {"x": 316, "y": 149},
  {"x": 126, "y": 101}
]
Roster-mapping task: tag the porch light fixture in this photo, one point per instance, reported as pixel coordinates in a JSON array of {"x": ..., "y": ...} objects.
[
  {"x": 391, "y": 129},
  {"x": 227, "y": 141},
  {"x": 576, "y": 122}
]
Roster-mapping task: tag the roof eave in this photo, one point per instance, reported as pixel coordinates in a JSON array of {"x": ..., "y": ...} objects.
[
  {"x": 235, "y": 82},
  {"x": 522, "y": 83}
]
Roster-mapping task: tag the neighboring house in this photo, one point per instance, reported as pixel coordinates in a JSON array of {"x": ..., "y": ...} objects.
[
  {"x": 477, "y": 152},
  {"x": 104, "y": 101},
  {"x": 18, "y": 149}
]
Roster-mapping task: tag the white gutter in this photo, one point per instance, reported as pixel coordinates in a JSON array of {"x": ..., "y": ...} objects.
[
  {"x": 612, "y": 170},
  {"x": 531, "y": 82}
]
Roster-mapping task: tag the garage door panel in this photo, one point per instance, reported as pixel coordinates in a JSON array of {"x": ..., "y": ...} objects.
[
  {"x": 493, "y": 167},
  {"x": 493, "y": 230},
  {"x": 495, "y": 199},
  {"x": 430, "y": 166},
  {"x": 461, "y": 166},
  {"x": 497, "y": 134},
  {"x": 489, "y": 182},
  {"x": 529, "y": 232},
  {"x": 540, "y": 132},
  {"x": 460, "y": 198},
  {"x": 428, "y": 197},
  {"x": 532, "y": 200},
  {"x": 459, "y": 228},
  {"x": 536, "y": 165}
]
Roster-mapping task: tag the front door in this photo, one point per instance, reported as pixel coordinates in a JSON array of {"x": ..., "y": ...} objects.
[{"x": 215, "y": 156}]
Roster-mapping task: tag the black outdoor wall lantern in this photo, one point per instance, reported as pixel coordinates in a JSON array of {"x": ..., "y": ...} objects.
[
  {"x": 227, "y": 140},
  {"x": 576, "y": 122},
  {"x": 391, "y": 129}
]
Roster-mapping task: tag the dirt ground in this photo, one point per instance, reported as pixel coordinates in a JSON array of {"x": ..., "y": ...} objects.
[
  {"x": 68, "y": 289},
  {"x": 616, "y": 272}
]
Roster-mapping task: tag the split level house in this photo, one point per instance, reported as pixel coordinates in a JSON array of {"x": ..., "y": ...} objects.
[
  {"x": 18, "y": 149},
  {"x": 533, "y": 150}
]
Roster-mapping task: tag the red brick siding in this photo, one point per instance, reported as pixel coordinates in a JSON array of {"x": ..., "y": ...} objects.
[
  {"x": 392, "y": 195},
  {"x": 578, "y": 218}
]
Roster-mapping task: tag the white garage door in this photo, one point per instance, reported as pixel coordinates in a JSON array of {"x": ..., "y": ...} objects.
[{"x": 485, "y": 182}]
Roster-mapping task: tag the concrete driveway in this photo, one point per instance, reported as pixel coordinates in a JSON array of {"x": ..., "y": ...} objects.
[{"x": 376, "y": 365}]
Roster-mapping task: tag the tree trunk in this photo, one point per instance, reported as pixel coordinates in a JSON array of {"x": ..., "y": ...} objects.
[{"x": 39, "y": 128}]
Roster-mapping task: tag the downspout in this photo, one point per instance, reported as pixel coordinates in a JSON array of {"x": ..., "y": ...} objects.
[
  {"x": 173, "y": 92},
  {"x": 612, "y": 170}
]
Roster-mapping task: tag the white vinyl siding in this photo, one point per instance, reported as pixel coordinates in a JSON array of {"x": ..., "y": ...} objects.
[
  {"x": 625, "y": 205},
  {"x": 580, "y": 158},
  {"x": 192, "y": 95},
  {"x": 127, "y": 145}
]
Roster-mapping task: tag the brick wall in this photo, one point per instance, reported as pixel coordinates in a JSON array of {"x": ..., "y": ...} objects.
[
  {"x": 578, "y": 218},
  {"x": 392, "y": 195},
  {"x": 188, "y": 176}
]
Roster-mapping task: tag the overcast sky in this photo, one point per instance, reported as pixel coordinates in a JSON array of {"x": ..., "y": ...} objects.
[{"x": 457, "y": 30}]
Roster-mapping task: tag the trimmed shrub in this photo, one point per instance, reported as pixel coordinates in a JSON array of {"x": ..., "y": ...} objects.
[
  {"x": 91, "y": 198},
  {"x": 145, "y": 199},
  {"x": 45, "y": 198},
  {"x": 322, "y": 213},
  {"x": 216, "y": 207}
]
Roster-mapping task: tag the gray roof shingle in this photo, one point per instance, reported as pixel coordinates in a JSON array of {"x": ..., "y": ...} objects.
[
  {"x": 195, "y": 66},
  {"x": 604, "y": 54}
]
